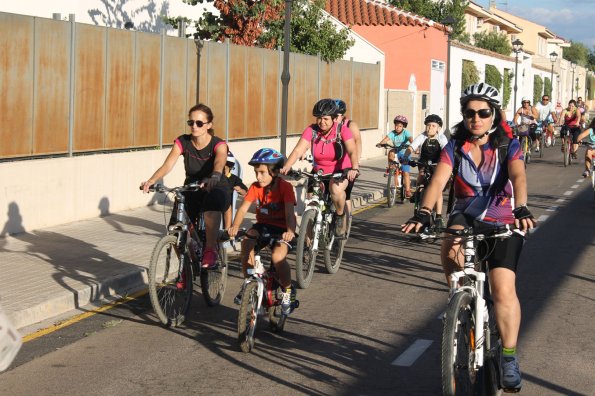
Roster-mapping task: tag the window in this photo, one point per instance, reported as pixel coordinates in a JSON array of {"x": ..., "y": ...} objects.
[{"x": 438, "y": 65}]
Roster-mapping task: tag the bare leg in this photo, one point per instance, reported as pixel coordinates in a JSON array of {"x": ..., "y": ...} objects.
[
  {"x": 212, "y": 222},
  {"x": 278, "y": 258},
  {"x": 506, "y": 304}
]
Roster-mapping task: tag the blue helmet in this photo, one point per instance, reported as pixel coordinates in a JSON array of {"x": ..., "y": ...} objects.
[
  {"x": 341, "y": 106},
  {"x": 268, "y": 156}
]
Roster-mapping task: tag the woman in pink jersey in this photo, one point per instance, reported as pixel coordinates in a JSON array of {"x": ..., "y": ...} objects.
[{"x": 332, "y": 152}]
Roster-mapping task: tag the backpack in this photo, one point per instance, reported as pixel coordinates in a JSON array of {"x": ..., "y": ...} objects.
[
  {"x": 499, "y": 183},
  {"x": 337, "y": 142}
]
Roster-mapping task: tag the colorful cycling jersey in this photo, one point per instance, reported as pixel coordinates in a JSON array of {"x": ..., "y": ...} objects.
[
  {"x": 323, "y": 149},
  {"x": 430, "y": 148},
  {"x": 401, "y": 140},
  {"x": 271, "y": 201},
  {"x": 473, "y": 192}
]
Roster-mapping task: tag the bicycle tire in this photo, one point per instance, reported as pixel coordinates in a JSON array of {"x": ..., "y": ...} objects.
[
  {"x": 391, "y": 190},
  {"x": 525, "y": 148},
  {"x": 214, "y": 281},
  {"x": 490, "y": 372},
  {"x": 566, "y": 152},
  {"x": 541, "y": 144},
  {"x": 248, "y": 317},
  {"x": 401, "y": 188},
  {"x": 305, "y": 257},
  {"x": 458, "y": 377},
  {"x": 170, "y": 302},
  {"x": 334, "y": 255}
]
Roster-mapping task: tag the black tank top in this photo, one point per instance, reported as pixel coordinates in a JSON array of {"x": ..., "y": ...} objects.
[
  {"x": 198, "y": 163},
  {"x": 430, "y": 150}
]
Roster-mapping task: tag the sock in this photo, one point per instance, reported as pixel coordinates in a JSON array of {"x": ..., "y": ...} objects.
[{"x": 509, "y": 351}]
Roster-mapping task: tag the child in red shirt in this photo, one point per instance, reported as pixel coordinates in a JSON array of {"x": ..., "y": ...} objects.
[{"x": 275, "y": 201}]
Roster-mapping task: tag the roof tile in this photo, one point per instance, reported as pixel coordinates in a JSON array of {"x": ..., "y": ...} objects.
[{"x": 372, "y": 13}]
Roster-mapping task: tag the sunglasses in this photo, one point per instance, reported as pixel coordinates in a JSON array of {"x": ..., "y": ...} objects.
[
  {"x": 545, "y": 99},
  {"x": 482, "y": 113},
  {"x": 198, "y": 123},
  {"x": 525, "y": 101}
]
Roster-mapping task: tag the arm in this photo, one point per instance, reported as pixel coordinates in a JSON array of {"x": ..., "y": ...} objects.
[
  {"x": 164, "y": 169},
  {"x": 358, "y": 138},
  {"x": 352, "y": 152},
  {"x": 240, "y": 214},
  {"x": 518, "y": 177},
  {"x": 583, "y": 134},
  {"x": 535, "y": 113},
  {"x": 291, "y": 222},
  {"x": 433, "y": 191},
  {"x": 220, "y": 158},
  {"x": 554, "y": 117},
  {"x": 384, "y": 140},
  {"x": 300, "y": 148},
  {"x": 516, "y": 117}
]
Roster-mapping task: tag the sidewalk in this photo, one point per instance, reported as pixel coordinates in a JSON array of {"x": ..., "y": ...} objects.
[{"x": 48, "y": 272}]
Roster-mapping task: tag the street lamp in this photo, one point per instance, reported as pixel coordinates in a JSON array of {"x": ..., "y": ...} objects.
[
  {"x": 448, "y": 22},
  {"x": 553, "y": 57},
  {"x": 285, "y": 77},
  {"x": 517, "y": 47},
  {"x": 573, "y": 67}
]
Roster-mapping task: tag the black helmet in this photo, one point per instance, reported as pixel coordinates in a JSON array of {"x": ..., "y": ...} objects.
[
  {"x": 325, "y": 107},
  {"x": 341, "y": 106},
  {"x": 433, "y": 118}
]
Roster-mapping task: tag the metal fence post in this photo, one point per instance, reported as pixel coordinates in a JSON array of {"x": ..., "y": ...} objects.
[
  {"x": 227, "y": 66},
  {"x": 161, "y": 85},
  {"x": 72, "y": 88}
]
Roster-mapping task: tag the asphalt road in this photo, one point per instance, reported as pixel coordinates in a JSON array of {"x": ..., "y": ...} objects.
[{"x": 356, "y": 332}]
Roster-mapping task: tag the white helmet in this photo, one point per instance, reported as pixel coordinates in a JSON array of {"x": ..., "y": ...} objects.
[
  {"x": 231, "y": 160},
  {"x": 526, "y": 99},
  {"x": 481, "y": 91}
]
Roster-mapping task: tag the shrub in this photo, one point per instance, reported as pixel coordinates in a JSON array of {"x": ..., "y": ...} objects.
[
  {"x": 547, "y": 86},
  {"x": 493, "y": 77},
  {"x": 470, "y": 74},
  {"x": 537, "y": 88}
]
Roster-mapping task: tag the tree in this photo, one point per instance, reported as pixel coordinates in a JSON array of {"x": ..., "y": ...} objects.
[
  {"x": 261, "y": 23},
  {"x": 493, "y": 41},
  {"x": 537, "y": 88},
  {"x": 493, "y": 77},
  {"x": 547, "y": 86},
  {"x": 438, "y": 11},
  {"x": 507, "y": 87},
  {"x": 577, "y": 53},
  {"x": 470, "y": 74}
]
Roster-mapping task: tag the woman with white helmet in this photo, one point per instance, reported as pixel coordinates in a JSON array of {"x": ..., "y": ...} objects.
[
  {"x": 528, "y": 119},
  {"x": 487, "y": 190}
]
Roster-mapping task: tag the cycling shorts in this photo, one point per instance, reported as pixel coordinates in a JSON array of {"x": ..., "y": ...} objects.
[
  {"x": 268, "y": 229},
  {"x": 499, "y": 253},
  {"x": 401, "y": 157},
  {"x": 326, "y": 187},
  {"x": 216, "y": 200},
  {"x": 575, "y": 131}
]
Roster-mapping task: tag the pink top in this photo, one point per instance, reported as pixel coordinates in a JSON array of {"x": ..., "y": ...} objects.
[{"x": 323, "y": 149}]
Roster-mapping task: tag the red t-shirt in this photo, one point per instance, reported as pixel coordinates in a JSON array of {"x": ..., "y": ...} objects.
[{"x": 271, "y": 201}]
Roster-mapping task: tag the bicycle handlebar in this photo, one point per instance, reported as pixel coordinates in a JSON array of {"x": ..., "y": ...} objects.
[
  {"x": 298, "y": 174},
  {"x": 160, "y": 188},
  {"x": 480, "y": 231}
]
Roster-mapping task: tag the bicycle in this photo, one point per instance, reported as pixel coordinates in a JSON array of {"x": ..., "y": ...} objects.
[
  {"x": 260, "y": 293},
  {"x": 316, "y": 229},
  {"x": 418, "y": 195},
  {"x": 525, "y": 142},
  {"x": 176, "y": 263},
  {"x": 471, "y": 344},
  {"x": 394, "y": 179},
  {"x": 592, "y": 171},
  {"x": 566, "y": 145},
  {"x": 540, "y": 132}
]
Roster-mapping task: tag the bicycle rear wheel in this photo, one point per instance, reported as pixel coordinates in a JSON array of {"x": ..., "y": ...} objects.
[
  {"x": 458, "y": 341},
  {"x": 333, "y": 253},
  {"x": 170, "y": 281},
  {"x": 248, "y": 317},
  {"x": 391, "y": 190},
  {"x": 305, "y": 256},
  {"x": 214, "y": 281}
]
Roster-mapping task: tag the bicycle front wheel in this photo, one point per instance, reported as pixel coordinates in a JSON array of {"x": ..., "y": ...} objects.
[
  {"x": 333, "y": 253},
  {"x": 170, "y": 281},
  {"x": 541, "y": 144},
  {"x": 566, "y": 151},
  {"x": 458, "y": 341},
  {"x": 391, "y": 190},
  {"x": 305, "y": 256},
  {"x": 214, "y": 281},
  {"x": 248, "y": 316}
]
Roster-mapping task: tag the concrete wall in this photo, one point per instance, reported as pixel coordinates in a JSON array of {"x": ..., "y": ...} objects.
[{"x": 46, "y": 192}]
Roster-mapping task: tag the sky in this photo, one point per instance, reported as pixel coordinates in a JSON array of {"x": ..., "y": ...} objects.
[{"x": 570, "y": 19}]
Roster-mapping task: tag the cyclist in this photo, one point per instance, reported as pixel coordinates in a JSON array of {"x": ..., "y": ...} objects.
[
  {"x": 275, "y": 200},
  {"x": 489, "y": 192},
  {"x": 583, "y": 108},
  {"x": 546, "y": 117},
  {"x": 235, "y": 184},
  {"x": 204, "y": 159},
  {"x": 572, "y": 119},
  {"x": 588, "y": 133},
  {"x": 430, "y": 143},
  {"x": 401, "y": 139},
  {"x": 333, "y": 152},
  {"x": 354, "y": 128},
  {"x": 528, "y": 119}
]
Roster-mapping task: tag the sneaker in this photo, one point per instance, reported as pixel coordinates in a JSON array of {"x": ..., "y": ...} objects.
[
  {"x": 340, "y": 225},
  {"x": 209, "y": 259},
  {"x": 287, "y": 300},
  {"x": 586, "y": 174},
  {"x": 511, "y": 374}
]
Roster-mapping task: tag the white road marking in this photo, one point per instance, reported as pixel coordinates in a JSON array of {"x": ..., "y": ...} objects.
[
  {"x": 412, "y": 353},
  {"x": 567, "y": 192},
  {"x": 552, "y": 208},
  {"x": 574, "y": 186},
  {"x": 543, "y": 217},
  {"x": 580, "y": 180},
  {"x": 561, "y": 200}
]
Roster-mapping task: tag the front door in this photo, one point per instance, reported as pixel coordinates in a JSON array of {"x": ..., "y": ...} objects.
[{"x": 437, "y": 90}]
